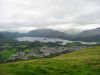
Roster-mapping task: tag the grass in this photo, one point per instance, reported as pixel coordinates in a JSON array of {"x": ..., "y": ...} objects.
[
  {"x": 6, "y": 54},
  {"x": 89, "y": 53},
  {"x": 82, "y": 62}
]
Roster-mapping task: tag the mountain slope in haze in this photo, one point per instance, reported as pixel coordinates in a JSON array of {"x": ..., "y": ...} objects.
[
  {"x": 13, "y": 35},
  {"x": 4, "y": 40},
  {"x": 92, "y": 35},
  {"x": 82, "y": 62},
  {"x": 88, "y": 35},
  {"x": 49, "y": 33}
]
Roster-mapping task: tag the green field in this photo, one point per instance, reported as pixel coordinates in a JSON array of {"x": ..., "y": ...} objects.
[
  {"x": 82, "y": 62},
  {"x": 6, "y": 54}
]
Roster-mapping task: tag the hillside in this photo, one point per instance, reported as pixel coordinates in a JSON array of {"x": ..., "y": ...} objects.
[
  {"x": 13, "y": 35},
  {"x": 82, "y": 62},
  {"x": 92, "y": 35},
  {"x": 49, "y": 33},
  {"x": 89, "y": 35},
  {"x": 4, "y": 39}
]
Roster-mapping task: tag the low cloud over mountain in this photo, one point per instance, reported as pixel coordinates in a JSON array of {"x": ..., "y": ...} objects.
[
  {"x": 27, "y": 15},
  {"x": 88, "y": 35}
]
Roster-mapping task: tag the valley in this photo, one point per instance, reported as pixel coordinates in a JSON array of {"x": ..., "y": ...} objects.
[
  {"x": 25, "y": 50},
  {"x": 49, "y": 37},
  {"x": 81, "y": 62}
]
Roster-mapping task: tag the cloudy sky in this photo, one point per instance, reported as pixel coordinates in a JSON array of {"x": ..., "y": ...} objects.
[{"x": 64, "y": 15}]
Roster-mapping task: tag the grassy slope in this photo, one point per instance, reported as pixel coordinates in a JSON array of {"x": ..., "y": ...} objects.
[
  {"x": 83, "y": 62},
  {"x": 6, "y": 54}
]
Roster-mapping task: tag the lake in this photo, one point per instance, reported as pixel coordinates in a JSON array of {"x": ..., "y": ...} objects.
[{"x": 43, "y": 39}]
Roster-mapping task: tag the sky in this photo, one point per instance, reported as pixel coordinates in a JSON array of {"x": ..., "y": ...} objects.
[{"x": 63, "y": 15}]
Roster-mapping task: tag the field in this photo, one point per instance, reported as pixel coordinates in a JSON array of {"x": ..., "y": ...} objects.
[
  {"x": 81, "y": 62},
  {"x": 6, "y": 54}
]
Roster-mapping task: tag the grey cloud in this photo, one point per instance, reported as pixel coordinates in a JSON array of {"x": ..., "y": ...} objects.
[{"x": 48, "y": 13}]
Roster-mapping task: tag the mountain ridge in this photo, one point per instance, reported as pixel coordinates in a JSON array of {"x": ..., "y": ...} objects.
[{"x": 92, "y": 35}]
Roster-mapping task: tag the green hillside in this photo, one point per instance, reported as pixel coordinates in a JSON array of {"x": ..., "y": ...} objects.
[
  {"x": 82, "y": 62},
  {"x": 5, "y": 40}
]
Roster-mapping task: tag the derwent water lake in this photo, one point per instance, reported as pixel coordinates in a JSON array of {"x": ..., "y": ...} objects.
[{"x": 43, "y": 39}]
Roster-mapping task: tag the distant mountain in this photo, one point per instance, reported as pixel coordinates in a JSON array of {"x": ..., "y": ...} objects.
[
  {"x": 4, "y": 39},
  {"x": 49, "y": 33},
  {"x": 89, "y": 35},
  {"x": 13, "y": 35}
]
